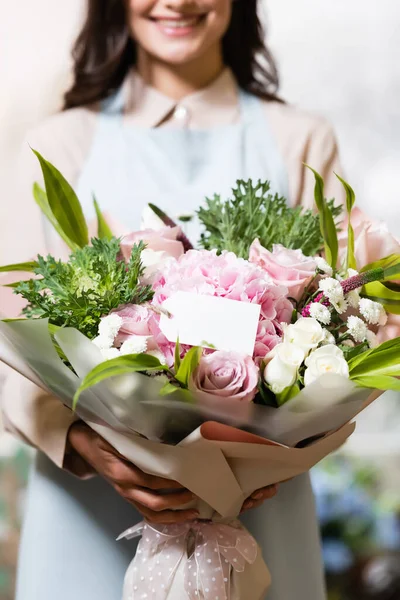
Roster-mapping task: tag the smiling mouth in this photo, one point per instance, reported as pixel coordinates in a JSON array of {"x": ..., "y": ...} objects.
[{"x": 178, "y": 26}]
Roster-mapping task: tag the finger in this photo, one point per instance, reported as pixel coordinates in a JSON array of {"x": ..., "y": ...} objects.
[
  {"x": 265, "y": 493},
  {"x": 166, "y": 517},
  {"x": 250, "y": 504},
  {"x": 127, "y": 475},
  {"x": 158, "y": 502}
]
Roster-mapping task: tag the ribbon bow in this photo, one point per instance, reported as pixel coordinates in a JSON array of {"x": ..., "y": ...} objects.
[{"x": 213, "y": 550}]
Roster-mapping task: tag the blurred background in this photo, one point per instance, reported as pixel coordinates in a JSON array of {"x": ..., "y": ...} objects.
[{"x": 339, "y": 59}]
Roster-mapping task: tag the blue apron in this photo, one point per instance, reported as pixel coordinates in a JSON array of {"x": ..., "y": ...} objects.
[{"x": 68, "y": 548}]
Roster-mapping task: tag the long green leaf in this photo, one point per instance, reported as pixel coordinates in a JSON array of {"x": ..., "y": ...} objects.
[
  {"x": 381, "y": 382},
  {"x": 390, "y": 265},
  {"x": 130, "y": 363},
  {"x": 350, "y": 200},
  {"x": 188, "y": 364},
  {"x": 41, "y": 200},
  {"x": 103, "y": 230},
  {"x": 27, "y": 267},
  {"x": 378, "y": 292},
  {"x": 64, "y": 204},
  {"x": 328, "y": 227},
  {"x": 383, "y": 360},
  {"x": 177, "y": 356}
]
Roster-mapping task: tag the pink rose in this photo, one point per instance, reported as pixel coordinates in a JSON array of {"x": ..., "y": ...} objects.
[
  {"x": 286, "y": 267},
  {"x": 267, "y": 338},
  {"x": 135, "y": 321},
  {"x": 227, "y": 375},
  {"x": 163, "y": 240},
  {"x": 373, "y": 239}
]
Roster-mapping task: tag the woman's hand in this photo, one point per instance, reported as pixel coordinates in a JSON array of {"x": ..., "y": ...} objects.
[
  {"x": 135, "y": 486},
  {"x": 259, "y": 497}
]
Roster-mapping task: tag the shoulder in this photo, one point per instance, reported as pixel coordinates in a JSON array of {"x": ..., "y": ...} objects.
[
  {"x": 64, "y": 139},
  {"x": 292, "y": 125}
]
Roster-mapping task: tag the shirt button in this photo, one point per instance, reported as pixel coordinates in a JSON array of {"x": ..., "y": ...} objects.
[{"x": 181, "y": 114}]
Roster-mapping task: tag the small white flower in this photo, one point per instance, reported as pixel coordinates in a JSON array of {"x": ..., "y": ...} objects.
[
  {"x": 306, "y": 333},
  {"x": 281, "y": 371},
  {"x": 340, "y": 305},
  {"x": 320, "y": 312},
  {"x": 109, "y": 353},
  {"x": 103, "y": 342},
  {"x": 109, "y": 326},
  {"x": 372, "y": 339},
  {"x": 326, "y": 359},
  {"x": 353, "y": 298},
  {"x": 332, "y": 289},
  {"x": 328, "y": 338},
  {"x": 323, "y": 266},
  {"x": 158, "y": 354},
  {"x": 135, "y": 344},
  {"x": 373, "y": 312},
  {"x": 357, "y": 328}
]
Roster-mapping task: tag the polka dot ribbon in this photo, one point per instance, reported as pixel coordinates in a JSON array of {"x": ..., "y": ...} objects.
[{"x": 213, "y": 550}]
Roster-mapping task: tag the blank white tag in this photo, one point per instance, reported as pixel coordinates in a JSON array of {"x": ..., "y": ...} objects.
[{"x": 211, "y": 322}]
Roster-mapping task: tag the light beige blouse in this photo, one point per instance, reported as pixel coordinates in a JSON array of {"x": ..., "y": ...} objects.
[{"x": 65, "y": 140}]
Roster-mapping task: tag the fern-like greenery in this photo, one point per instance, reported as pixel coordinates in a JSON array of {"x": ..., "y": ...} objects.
[
  {"x": 254, "y": 212},
  {"x": 93, "y": 282}
]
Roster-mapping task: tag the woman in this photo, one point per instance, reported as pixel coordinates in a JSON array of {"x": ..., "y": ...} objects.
[{"x": 172, "y": 100}]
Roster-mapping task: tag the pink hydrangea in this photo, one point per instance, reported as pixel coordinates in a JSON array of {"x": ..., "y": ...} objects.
[{"x": 226, "y": 276}]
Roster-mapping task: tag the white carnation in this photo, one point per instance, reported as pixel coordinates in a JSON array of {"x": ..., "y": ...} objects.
[
  {"x": 353, "y": 298},
  {"x": 320, "y": 312},
  {"x": 281, "y": 371},
  {"x": 135, "y": 344},
  {"x": 373, "y": 312},
  {"x": 103, "y": 342},
  {"x": 357, "y": 328},
  {"x": 326, "y": 359},
  {"x": 332, "y": 289},
  {"x": 340, "y": 305},
  {"x": 348, "y": 343},
  {"x": 109, "y": 326},
  {"x": 372, "y": 339},
  {"x": 306, "y": 334},
  {"x": 110, "y": 353},
  {"x": 323, "y": 266}
]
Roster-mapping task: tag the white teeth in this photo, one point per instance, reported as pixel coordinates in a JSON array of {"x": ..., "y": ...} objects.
[{"x": 178, "y": 24}]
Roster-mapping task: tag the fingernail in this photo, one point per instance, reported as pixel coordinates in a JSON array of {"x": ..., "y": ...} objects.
[
  {"x": 258, "y": 496},
  {"x": 249, "y": 504},
  {"x": 194, "y": 514}
]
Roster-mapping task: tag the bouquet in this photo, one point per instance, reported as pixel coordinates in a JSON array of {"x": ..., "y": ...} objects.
[{"x": 228, "y": 368}]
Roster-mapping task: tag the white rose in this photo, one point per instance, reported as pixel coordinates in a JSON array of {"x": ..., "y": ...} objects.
[
  {"x": 281, "y": 371},
  {"x": 306, "y": 334},
  {"x": 327, "y": 359}
]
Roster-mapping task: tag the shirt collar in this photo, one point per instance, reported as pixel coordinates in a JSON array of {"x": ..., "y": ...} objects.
[{"x": 216, "y": 104}]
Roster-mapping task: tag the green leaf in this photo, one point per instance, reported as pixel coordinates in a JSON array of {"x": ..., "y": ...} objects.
[
  {"x": 41, "y": 200},
  {"x": 103, "y": 230},
  {"x": 28, "y": 267},
  {"x": 390, "y": 264},
  {"x": 64, "y": 204},
  {"x": 188, "y": 364},
  {"x": 287, "y": 394},
  {"x": 382, "y": 382},
  {"x": 177, "y": 356},
  {"x": 328, "y": 226},
  {"x": 378, "y": 292},
  {"x": 384, "y": 360},
  {"x": 118, "y": 366},
  {"x": 169, "y": 388},
  {"x": 350, "y": 200}
]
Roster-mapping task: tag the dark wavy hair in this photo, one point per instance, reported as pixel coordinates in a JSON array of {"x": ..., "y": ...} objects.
[{"x": 104, "y": 52}]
